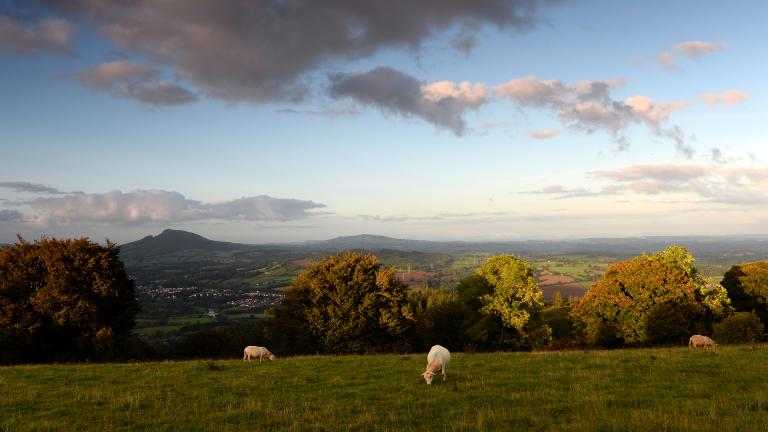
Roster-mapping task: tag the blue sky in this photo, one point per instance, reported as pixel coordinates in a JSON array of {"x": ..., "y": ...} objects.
[{"x": 450, "y": 120}]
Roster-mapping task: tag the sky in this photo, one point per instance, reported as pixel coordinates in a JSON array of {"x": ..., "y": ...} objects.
[{"x": 290, "y": 120}]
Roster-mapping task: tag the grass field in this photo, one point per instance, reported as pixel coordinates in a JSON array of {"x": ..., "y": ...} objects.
[{"x": 623, "y": 390}]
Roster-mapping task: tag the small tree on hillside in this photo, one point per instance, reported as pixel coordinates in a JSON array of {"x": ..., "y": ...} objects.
[
  {"x": 747, "y": 286},
  {"x": 346, "y": 304},
  {"x": 657, "y": 298},
  {"x": 63, "y": 299}
]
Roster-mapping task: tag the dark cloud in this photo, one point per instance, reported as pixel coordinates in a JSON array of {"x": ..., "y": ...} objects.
[
  {"x": 134, "y": 80},
  {"x": 29, "y": 187},
  {"x": 261, "y": 50},
  {"x": 158, "y": 93},
  {"x": 441, "y": 103},
  {"x": 11, "y": 216},
  {"x": 716, "y": 154},
  {"x": 46, "y": 35},
  {"x": 677, "y": 135}
]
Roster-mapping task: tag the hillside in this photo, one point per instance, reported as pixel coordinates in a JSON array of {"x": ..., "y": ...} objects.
[
  {"x": 664, "y": 389},
  {"x": 171, "y": 241},
  {"x": 180, "y": 275}
]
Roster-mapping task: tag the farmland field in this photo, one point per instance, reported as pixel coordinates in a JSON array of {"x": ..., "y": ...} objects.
[{"x": 624, "y": 390}]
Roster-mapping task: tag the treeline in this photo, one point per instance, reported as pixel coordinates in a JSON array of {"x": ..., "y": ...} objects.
[
  {"x": 72, "y": 300},
  {"x": 350, "y": 303}
]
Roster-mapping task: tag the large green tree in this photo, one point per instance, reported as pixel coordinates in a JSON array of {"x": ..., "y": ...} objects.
[
  {"x": 347, "y": 303},
  {"x": 63, "y": 300},
  {"x": 747, "y": 286},
  {"x": 659, "y": 298},
  {"x": 515, "y": 298}
]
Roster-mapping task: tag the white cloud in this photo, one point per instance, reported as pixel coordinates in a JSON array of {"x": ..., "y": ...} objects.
[
  {"x": 687, "y": 49},
  {"x": 471, "y": 94},
  {"x": 588, "y": 106},
  {"x": 544, "y": 134},
  {"x": 742, "y": 186},
  {"x": 727, "y": 97},
  {"x": 146, "y": 206},
  {"x": 697, "y": 48}
]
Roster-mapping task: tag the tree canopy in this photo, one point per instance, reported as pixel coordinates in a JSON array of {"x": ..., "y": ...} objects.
[
  {"x": 345, "y": 304},
  {"x": 657, "y": 298},
  {"x": 63, "y": 300},
  {"x": 747, "y": 286},
  {"x": 516, "y": 295}
]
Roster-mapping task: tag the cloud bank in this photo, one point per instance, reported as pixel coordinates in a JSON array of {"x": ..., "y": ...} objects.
[
  {"x": 147, "y": 206},
  {"x": 742, "y": 186}
]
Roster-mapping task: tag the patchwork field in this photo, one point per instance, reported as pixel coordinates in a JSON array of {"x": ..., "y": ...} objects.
[{"x": 624, "y": 390}]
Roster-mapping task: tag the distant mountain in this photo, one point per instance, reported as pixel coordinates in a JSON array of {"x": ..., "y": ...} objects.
[
  {"x": 170, "y": 241},
  {"x": 373, "y": 242}
]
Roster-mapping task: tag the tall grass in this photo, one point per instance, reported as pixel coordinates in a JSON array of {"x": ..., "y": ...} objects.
[{"x": 625, "y": 390}]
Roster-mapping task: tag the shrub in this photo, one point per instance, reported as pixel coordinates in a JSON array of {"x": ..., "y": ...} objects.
[{"x": 741, "y": 327}]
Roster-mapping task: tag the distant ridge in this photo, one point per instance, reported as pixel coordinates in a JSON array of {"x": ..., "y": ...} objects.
[
  {"x": 726, "y": 248},
  {"x": 170, "y": 241},
  {"x": 372, "y": 242}
]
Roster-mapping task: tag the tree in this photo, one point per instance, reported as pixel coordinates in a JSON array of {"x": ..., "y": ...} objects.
[
  {"x": 741, "y": 327},
  {"x": 441, "y": 318},
  {"x": 516, "y": 299},
  {"x": 657, "y": 298},
  {"x": 63, "y": 300},
  {"x": 346, "y": 304},
  {"x": 747, "y": 286}
]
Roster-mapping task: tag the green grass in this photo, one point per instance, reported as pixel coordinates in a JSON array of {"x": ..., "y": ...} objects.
[{"x": 625, "y": 390}]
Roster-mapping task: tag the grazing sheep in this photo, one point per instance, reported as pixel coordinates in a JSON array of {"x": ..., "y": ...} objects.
[
  {"x": 701, "y": 341},
  {"x": 256, "y": 351},
  {"x": 437, "y": 360}
]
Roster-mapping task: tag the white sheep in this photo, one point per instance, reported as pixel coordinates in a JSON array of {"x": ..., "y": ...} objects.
[
  {"x": 256, "y": 351},
  {"x": 698, "y": 340},
  {"x": 437, "y": 360}
]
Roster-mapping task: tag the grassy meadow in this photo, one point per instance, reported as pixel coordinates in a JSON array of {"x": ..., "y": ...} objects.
[{"x": 623, "y": 390}]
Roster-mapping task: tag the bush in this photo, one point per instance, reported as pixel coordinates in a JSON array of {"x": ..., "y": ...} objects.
[
  {"x": 741, "y": 327},
  {"x": 347, "y": 303},
  {"x": 64, "y": 300}
]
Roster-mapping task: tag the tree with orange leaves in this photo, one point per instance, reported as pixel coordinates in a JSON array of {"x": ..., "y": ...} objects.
[
  {"x": 659, "y": 298},
  {"x": 63, "y": 300}
]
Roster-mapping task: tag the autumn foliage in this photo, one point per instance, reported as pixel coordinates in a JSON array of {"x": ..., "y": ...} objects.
[
  {"x": 63, "y": 300},
  {"x": 657, "y": 298}
]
